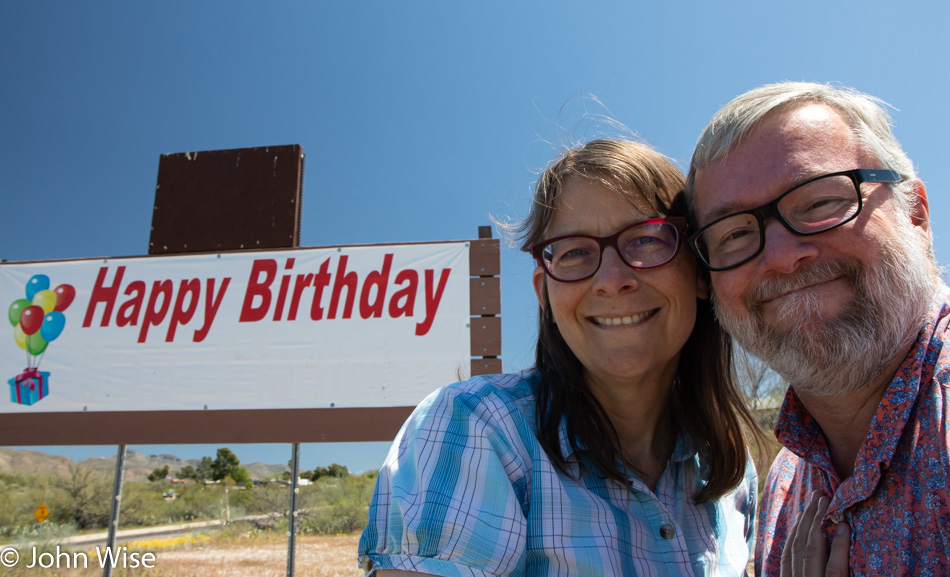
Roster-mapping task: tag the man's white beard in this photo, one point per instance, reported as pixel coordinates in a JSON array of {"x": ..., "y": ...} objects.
[{"x": 832, "y": 357}]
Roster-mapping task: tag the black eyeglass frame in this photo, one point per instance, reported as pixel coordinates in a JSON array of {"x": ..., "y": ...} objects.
[
  {"x": 679, "y": 223},
  {"x": 858, "y": 176}
]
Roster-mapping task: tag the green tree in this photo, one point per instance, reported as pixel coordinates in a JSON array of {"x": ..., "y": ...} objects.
[
  {"x": 226, "y": 464},
  {"x": 240, "y": 476},
  {"x": 187, "y": 472},
  {"x": 334, "y": 470},
  {"x": 204, "y": 470},
  {"x": 159, "y": 474}
]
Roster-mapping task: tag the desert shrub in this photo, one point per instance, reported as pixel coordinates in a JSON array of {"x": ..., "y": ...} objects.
[
  {"x": 14, "y": 507},
  {"x": 190, "y": 504},
  {"x": 336, "y": 505},
  {"x": 197, "y": 501},
  {"x": 142, "y": 505},
  {"x": 50, "y": 532},
  {"x": 84, "y": 497},
  {"x": 272, "y": 499},
  {"x": 241, "y": 499},
  {"x": 66, "y": 498}
]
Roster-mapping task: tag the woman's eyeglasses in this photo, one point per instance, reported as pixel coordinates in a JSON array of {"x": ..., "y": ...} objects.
[{"x": 577, "y": 257}]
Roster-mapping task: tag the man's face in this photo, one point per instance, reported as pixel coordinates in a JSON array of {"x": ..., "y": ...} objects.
[{"x": 827, "y": 311}]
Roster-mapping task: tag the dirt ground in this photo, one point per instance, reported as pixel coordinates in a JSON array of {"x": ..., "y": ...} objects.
[
  {"x": 317, "y": 556},
  {"x": 259, "y": 556}
]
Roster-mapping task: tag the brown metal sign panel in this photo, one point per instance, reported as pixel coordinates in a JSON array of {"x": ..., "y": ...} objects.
[
  {"x": 222, "y": 200},
  {"x": 189, "y": 427},
  {"x": 485, "y": 257},
  {"x": 486, "y": 337}
]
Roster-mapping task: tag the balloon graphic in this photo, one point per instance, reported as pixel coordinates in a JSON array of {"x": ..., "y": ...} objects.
[
  {"x": 31, "y": 319},
  {"x": 16, "y": 309},
  {"x": 19, "y": 336},
  {"x": 53, "y": 324},
  {"x": 46, "y": 300},
  {"x": 37, "y": 283},
  {"x": 65, "y": 293},
  {"x": 35, "y": 344}
]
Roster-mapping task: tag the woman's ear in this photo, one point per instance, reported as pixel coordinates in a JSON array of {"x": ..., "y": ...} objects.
[{"x": 537, "y": 279}]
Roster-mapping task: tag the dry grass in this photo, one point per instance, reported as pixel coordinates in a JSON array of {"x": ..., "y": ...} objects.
[{"x": 260, "y": 555}]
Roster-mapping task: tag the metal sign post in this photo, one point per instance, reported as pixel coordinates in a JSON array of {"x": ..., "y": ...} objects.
[
  {"x": 292, "y": 517},
  {"x": 116, "y": 503}
]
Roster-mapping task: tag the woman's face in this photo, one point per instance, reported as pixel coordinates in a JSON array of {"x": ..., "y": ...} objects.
[{"x": 654, "y": 309}]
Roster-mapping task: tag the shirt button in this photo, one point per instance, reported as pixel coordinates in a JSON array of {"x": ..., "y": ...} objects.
[
  {"x": 366, "y": 564},
  {"x": 667, "y": 532}
]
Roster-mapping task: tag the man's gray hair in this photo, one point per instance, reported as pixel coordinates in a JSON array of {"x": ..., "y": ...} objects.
[{"x": 865, "y": 115}]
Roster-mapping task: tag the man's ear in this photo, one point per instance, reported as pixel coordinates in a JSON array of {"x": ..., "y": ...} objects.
[
  {"x": 537, "y": 279},
  {"x": 920, "y": 211},
  {"x": 702, "y": 284}
]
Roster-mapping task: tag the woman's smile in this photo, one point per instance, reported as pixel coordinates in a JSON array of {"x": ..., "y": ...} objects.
[{"x": 623, "y": 320}]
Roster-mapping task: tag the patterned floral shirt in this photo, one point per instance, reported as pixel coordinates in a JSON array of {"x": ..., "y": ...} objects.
[
  {"x": 897, "y": 501},
  {"x": 468, "y": 490}
]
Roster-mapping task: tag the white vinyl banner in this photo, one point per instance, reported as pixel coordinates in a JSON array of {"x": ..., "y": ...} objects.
[{"x": 359, "y": 326}]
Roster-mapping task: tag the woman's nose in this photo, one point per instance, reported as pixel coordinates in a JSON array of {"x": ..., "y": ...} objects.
[{"x": 614, "y": 275}]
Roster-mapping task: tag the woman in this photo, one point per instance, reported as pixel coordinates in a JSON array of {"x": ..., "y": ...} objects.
[{"x": 624, "y": 451}]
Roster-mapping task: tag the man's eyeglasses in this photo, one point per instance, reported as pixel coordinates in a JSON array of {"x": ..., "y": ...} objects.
[
  {"x": 577, "y": 257},
  {"x": 814, "y": 206}
]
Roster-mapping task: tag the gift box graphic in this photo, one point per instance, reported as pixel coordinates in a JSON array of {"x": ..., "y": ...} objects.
[{"x": 29, "y": 387}]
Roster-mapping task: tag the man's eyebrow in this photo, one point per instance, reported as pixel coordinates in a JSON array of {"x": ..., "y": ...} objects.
[
  {"x": 733, "y": 206},
  {"x": 726, "y": 209}
]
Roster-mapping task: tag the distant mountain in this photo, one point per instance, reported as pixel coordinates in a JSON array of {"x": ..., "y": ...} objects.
[
  {"x": 29, "y": 462},
  {"x": 137, "y": 465}
]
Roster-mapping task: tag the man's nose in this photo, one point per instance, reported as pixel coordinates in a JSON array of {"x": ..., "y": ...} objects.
[{"x": 784, "y": 250}]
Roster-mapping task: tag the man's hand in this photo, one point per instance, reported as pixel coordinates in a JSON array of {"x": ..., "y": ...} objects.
[{"x": 805, "y": 554}]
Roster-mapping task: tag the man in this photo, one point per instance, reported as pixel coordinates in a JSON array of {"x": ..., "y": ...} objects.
[{"x": 817, "y": 233}]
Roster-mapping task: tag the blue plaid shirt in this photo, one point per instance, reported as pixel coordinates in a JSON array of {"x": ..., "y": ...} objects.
[{"x": 467, "y": 490}]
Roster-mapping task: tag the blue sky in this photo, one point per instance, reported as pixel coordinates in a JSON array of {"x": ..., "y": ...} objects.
[{"x": 418, "y": 120}]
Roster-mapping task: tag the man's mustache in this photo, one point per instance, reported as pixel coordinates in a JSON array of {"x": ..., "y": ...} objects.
[{"x": 808, "y": 275}]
